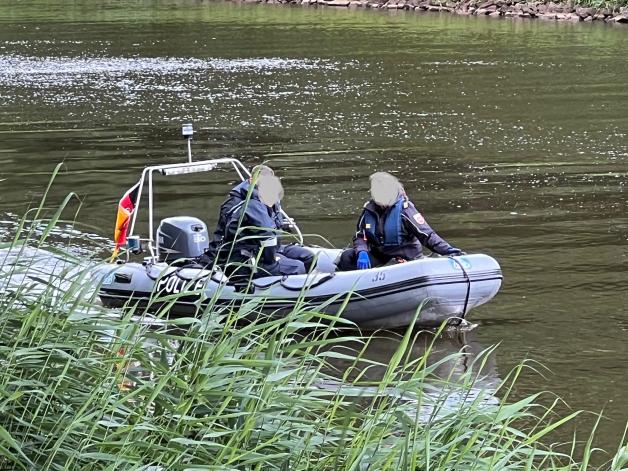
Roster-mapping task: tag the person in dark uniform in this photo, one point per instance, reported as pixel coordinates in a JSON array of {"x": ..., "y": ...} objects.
[
  {"x": 238, "y": 194},
  {"x": 250, "y": 221},
  {"x": 390, "y": 228}
]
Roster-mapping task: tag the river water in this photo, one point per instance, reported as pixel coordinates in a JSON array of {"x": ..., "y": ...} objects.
[{"x": 510, "y": 136}]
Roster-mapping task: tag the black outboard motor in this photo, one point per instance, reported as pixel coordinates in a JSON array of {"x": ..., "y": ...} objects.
[{"x": 181, "y": 237}]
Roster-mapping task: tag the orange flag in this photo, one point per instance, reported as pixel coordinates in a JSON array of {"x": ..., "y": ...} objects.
[{"x": 126, "y": 206}]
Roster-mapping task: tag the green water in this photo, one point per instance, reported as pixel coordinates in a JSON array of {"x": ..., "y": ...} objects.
[{"x": 510, "y": 136}]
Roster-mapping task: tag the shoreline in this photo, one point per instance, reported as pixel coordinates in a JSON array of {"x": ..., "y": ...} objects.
[{"x": 550, "y": 11}]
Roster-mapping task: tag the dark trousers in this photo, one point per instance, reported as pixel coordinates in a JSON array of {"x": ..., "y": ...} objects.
[
  {"x": 290, "y": 260},
  {"x": 298, "y": 252},
  {"x": 349, "y": 260}
]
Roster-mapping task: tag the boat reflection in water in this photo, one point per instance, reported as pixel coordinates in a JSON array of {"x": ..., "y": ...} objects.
[{"x": 437, "y": 373}]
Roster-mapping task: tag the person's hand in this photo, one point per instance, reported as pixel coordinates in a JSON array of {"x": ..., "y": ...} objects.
[
  {"x": 288, "y": 224},
  {"x": 455, "y": 251},
  {"x": 364, "y": 261}
]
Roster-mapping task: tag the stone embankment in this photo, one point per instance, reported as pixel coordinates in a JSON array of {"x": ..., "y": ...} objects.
[{"x": 492, "y": 8}]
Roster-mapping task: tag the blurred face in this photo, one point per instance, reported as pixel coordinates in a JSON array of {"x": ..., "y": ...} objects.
[
  {"x": 269, "y": 189},
  {"x": 385, "y": 189},
  {"x": 261, "y": 170}
]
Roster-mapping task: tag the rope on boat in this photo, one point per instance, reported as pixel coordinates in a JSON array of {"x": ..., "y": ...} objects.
[{"x": 468, "y": 280}]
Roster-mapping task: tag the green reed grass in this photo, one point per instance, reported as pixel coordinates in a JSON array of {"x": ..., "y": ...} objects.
[{"x": 84, "y": 387}]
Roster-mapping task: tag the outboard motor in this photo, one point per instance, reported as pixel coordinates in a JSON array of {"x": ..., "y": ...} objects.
[{"x": 181, "y": 237}]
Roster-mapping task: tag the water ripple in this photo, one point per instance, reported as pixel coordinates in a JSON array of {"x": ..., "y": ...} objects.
[{"x": 20, "y": 70}]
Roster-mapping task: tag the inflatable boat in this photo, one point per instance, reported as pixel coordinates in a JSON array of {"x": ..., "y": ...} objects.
[
  {"x": 440, "y": 288},
  {"x": 445, "y": 288}
]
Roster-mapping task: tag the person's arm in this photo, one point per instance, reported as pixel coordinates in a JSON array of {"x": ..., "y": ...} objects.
[
  {"x": 360, "y": 243},
  {"x": 284, "y": 222},
  {"x": 415, "y": 223},
  {"x": 251, "y": 225},
  {"x": 262, "y": 230}
]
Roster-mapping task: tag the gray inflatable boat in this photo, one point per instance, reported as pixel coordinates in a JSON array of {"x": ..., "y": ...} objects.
[
  {"x": 385, "y": 297},
  {"x": 445, "y": 288}
]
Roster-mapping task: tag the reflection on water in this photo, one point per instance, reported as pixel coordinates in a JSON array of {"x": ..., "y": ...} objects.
[
  {"x": 27, "y": 273},
  {"x": 459, "y": 369},
  {"x": 53, "y": 261},
  {"x": 74, "y": 80},
  {"x": 509, "y": 136}
]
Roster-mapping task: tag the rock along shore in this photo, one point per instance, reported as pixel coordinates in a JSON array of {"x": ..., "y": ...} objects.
[{"x": 493, "y": 8}]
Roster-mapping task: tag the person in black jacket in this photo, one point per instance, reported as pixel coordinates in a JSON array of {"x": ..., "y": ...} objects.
[
  {"x": 390, "y": 228},
  {"x": 238, "y": 194},
  {"x": 250, "y": 222}
]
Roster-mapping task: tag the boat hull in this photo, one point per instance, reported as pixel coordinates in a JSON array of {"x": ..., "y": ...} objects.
[{"x": 439, "y": 289}]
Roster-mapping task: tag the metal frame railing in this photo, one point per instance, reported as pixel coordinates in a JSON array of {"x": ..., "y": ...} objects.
[{"x": 181, "y": 169}]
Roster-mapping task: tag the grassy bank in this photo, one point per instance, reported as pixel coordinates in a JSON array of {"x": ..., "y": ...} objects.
[
  {"x": 82, "y": 387},
  {"x": 615, "y": 12}
]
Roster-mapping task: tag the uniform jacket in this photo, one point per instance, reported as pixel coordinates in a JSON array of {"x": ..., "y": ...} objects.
[
  {"x": 397, "y": 231},
  {"x": 251, "y": 225},
  {"x": 237, "y": 195}
]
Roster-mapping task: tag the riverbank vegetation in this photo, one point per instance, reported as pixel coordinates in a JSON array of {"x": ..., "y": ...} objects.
[
  {"x": 83, "y": 387},
  {"x": 574, "y": 11}
]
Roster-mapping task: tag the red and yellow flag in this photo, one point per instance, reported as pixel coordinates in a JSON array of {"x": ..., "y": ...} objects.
[{"x": 126, "y": 206}]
